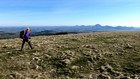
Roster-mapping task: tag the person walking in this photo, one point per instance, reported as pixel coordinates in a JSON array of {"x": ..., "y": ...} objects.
[{"x": 26, "y": 38}]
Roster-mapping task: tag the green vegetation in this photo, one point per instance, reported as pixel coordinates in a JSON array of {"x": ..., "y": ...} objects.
[{"x": 106, "y": 55}]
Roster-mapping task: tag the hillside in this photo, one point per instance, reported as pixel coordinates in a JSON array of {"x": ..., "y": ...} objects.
[
  {"x": 13, "y": 31},
  {"x": 104, "y": 55}
]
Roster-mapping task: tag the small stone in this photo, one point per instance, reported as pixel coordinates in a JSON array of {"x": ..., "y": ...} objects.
[
  {"x": 9, "y": 52},
  {"x": 109, "y": 68},
  {"x": 102, "y": 76},
  {"x": 37, "y": 59},
  {"x": 12, "y": 76},
  {"x": 47, "y": 56},
  {"x": 38, "y": 45},
  {"x": 136, "y": 77},
  {"x": 128, "y": 46},
  {"x": 67, "y": 61},
  {"x": 92, "y": 76},
  {"x": 102, "y": 69},
  {"x": 74, "y": 67},
  {"x": 125, "y": 77}
]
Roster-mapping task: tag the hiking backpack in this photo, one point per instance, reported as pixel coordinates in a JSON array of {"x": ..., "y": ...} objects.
[{"x": 22, "y": 34}]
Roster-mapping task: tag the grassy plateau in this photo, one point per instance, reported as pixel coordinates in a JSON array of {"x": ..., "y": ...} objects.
[{"x": 104, "y": 55}]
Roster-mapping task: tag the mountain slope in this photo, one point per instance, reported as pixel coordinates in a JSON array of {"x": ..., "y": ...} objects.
[{"x": 105, "y": 55}]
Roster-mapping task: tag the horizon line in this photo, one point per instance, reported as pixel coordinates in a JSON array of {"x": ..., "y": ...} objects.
[{"x": 62, "y": 25}]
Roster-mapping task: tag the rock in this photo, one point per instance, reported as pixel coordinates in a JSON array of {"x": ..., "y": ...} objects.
[
  {"x": 34, "y": 66},
  {"x": 12, "y": 76},
  {"x": 38, "y": 45},
  {"x": 95, "y": 50},
  {"x": 102, "y": 69},
  {"x": 72, "y": 59},
  {"x": 28, "y": 78},
  {"x": 109, "y": 68},
  {"x": 117, "y": 73},
  {"x": 92, "y": 76},
  {"x": 66, "y": 61},
  {"x": 105, "y": 73},
  {"x": 37, "y": 67},
  {"x": 98, "y": 57},
  {"x": 21, "y": 55},
  {"x": 136, "y": 77},
  {"x": 105, "y": 69},
  {"x": 128, "y": 46},
  {"x": 74, "y": 67},
  {"x": 81, "y": 76},
  {"x": 125, "y": 77},
  {"x": 110, "y": 54},
  {"x": 36, "y": 59},
  {"x": 70, "y": 53},
  {"x": 15, "y": 75},
  {"x": 28, "y": 63},
  {"x": 102, "y": 76},
  {"x": 9, "y": 52},
  {"x": 36, "y": 53},
  {"x": 68, "y": 77},
  {"x": 47, "y": 56},
  {"x": 89, "y": 46}
]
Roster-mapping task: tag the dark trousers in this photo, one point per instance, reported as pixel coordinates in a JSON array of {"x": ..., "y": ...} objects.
[{"x": 26, "y": 40}]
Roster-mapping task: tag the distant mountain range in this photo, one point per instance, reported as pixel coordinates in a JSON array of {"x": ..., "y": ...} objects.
[{"x": 58, "y": 30}]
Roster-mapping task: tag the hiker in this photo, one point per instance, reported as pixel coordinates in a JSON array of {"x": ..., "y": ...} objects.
[{"x": 26, "y": 38}]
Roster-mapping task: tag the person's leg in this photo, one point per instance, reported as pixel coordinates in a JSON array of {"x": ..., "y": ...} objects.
[
  {"x": 23, "y": 44},
  {"x": 30, "y": 44}
]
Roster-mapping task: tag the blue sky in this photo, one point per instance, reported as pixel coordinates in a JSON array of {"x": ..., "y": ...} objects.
[{"x": 69, "y": 12}]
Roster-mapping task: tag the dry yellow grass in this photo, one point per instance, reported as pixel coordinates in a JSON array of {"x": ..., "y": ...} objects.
[{"x": 105, "y": 55}]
